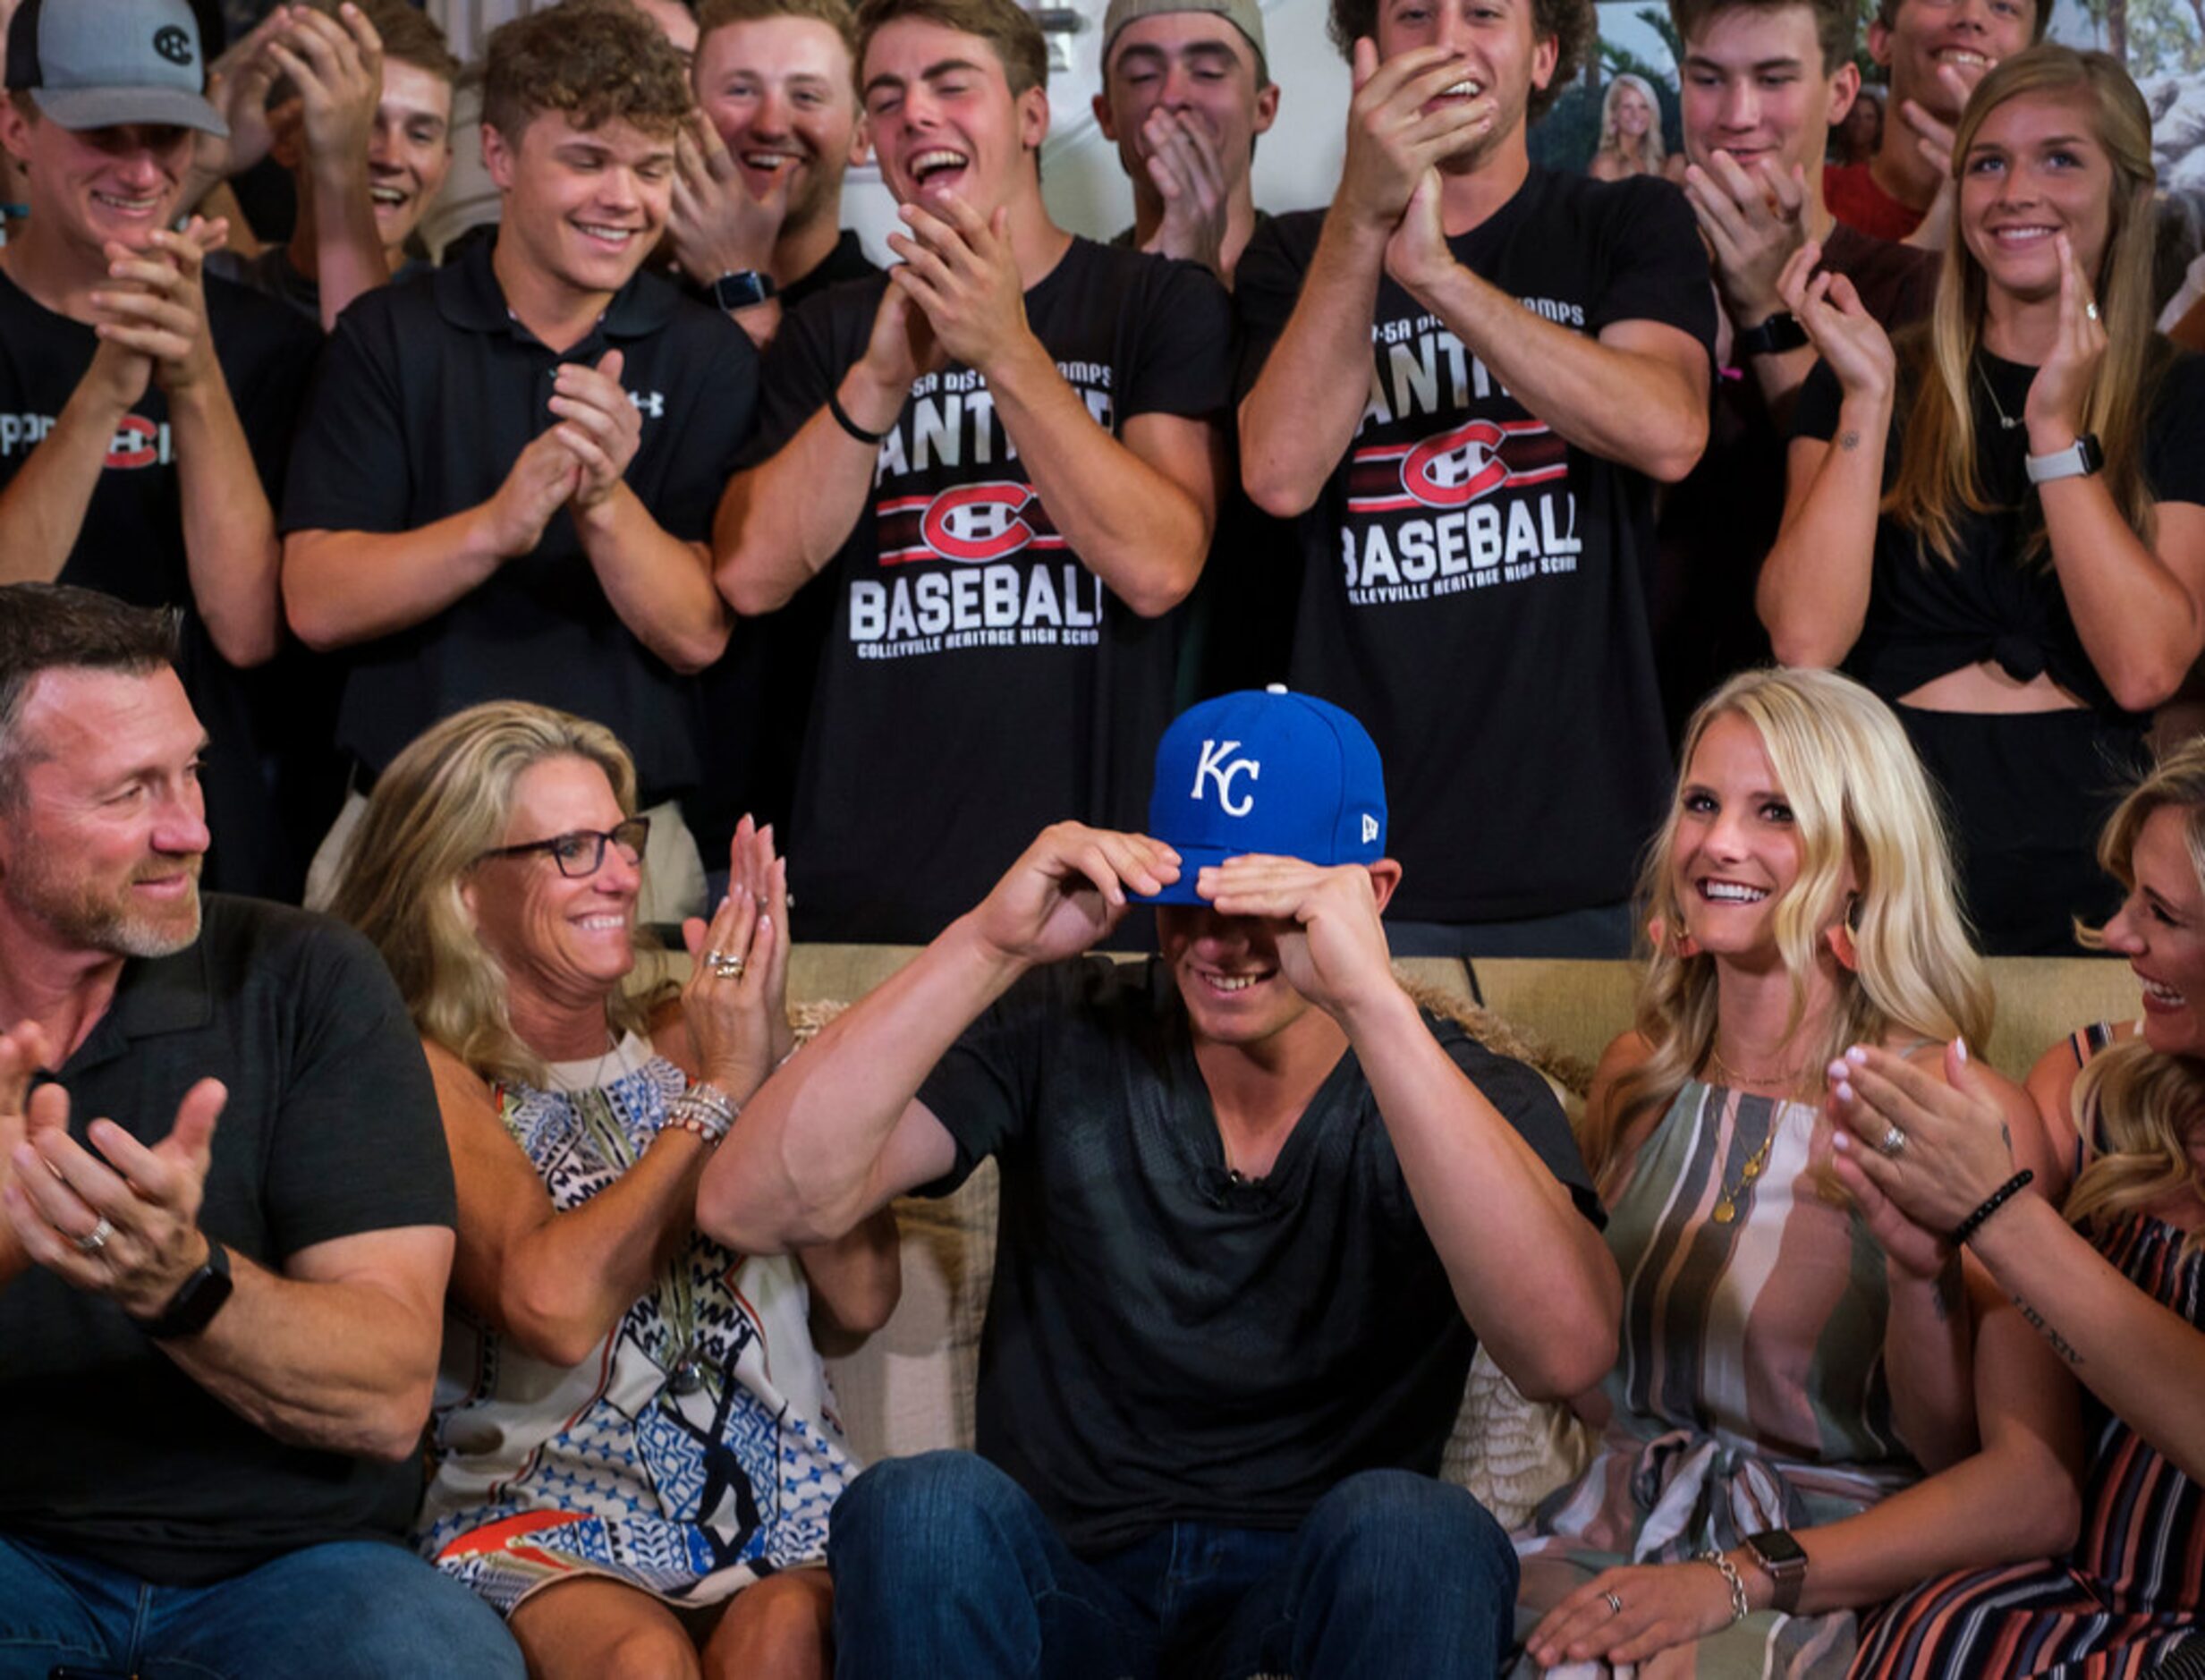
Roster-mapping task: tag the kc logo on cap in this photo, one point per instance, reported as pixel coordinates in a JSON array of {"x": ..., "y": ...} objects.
[{"x": 1287, "y": 775}]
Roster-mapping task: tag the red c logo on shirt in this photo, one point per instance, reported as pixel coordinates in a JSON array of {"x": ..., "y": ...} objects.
[
  {"x": 1456, "y": 467},
  {"x": 978, "y": 522},
  {"x": 143, "y": 452}
]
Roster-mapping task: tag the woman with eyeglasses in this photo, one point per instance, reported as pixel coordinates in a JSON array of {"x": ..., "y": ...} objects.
[{"x": 635, "y": 1448}]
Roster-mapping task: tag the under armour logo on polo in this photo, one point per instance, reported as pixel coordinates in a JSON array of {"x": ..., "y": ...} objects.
[
  {"x": 1215, "y": 766},
  {"x": 650, "y": 403},
  {"x": 173, "y": 44}
]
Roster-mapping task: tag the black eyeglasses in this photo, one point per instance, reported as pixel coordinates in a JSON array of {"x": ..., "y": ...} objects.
[{"x": 582, "y": 853}]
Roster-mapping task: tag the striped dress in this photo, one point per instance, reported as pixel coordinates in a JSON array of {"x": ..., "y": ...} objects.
[
  {"x": 2132, "y": 1591},
  {"x": 1749, "y": 1389}
]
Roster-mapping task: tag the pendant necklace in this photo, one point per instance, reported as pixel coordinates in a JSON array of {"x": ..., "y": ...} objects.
[
  {"x": 2006, "y": 421},
  {"x": 1754, "y": 1164}
]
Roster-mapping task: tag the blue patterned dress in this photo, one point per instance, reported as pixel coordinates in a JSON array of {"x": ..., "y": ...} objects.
[{"x": 692, "y": 1452}]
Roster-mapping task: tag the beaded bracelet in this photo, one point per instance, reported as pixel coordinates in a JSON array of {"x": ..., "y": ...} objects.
[
  {"x": 1997, "y": 1200},
  {"x": 704, "y": 1110},
  {"x": 1739, "y": 1608}
]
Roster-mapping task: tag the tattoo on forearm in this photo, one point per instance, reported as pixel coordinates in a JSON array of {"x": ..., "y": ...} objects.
[
  {"x": 1849, "y": 440},
  {"x": 2061, "y": 1345}
]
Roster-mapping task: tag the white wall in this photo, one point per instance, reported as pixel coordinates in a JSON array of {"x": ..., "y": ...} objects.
[{"x": 1297, "y": 162}]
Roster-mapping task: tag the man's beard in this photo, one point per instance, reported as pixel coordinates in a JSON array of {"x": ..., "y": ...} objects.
[{"x": 92, "y": 916}]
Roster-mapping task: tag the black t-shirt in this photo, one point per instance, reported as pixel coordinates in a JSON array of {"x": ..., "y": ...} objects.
[
  {"x": 132, "y": 543},
  {"x": 1717, "y": 526},
  {"x": 1475, "y": 589},
  {"x": 980, "y": 683},
  {"x": 758, "y": 698},
  {"x": 1165, "y": 1342},
  {"x": 427, "y": 395},
  {"x": 331, "y": 1130},
  {"x": 1926, "y": 618}
]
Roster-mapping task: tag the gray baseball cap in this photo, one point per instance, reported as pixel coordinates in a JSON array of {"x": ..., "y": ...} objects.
[
  {"x": 102, "y": 64},
  {"x": 1244, "y": 15}
]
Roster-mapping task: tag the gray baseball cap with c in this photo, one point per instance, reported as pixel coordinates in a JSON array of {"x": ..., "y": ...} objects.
[{"x": 102, "y": 64}]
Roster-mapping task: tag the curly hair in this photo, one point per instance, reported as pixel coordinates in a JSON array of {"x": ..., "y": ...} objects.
[
  {"x": 1572, "y": 25},
  {"x": 596, "y": 60},
  {"x": 2146, "y": 1105}
]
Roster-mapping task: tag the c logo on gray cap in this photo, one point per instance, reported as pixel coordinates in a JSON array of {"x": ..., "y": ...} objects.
[{"x": 174, "y": 44}]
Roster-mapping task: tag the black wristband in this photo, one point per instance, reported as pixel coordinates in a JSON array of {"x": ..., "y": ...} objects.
[
  {"x": 1779, "y": 333},
  {"x": 843, "y": 419},
  {"x": 1997, "y": 1200}
]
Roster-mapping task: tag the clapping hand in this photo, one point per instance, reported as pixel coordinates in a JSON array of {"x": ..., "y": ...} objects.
[
  {"x": 1754, "y": 222},
  {"x": 119, "y": 1219},
  {"x": 1182, "y": 161},
  {"x": 2061, "y": 389},
  {"x": 735, "y": 1005},
  {"x": 599, "y": 426},
  {"x": 1843, "y": 333},
  {"x": 958, "y": 267}
]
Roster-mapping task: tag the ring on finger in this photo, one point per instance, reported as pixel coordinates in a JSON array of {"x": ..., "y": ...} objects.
[
  {"x": 1614, "y": 1604},
  {"x": 724, "y": 964},
  {"x": 1891, "y": 1143},
  {"x": 96, "y": 1239}
]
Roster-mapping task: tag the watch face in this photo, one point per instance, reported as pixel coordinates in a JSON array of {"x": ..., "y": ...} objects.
[{"x": 1776, "y": 1547}]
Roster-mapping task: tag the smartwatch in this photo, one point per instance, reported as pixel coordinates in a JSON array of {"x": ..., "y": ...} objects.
[
  {"x": 1784, "y": 1560},
  {"x": 742, "y": 290},
  {"x": 1779, "y": 333},
  {"x": 2079, "y": 460},
  {"x": 192, "y": 1308}
]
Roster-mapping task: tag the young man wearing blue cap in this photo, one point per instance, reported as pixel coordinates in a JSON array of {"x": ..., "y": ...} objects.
[
  {"x": 146, "y": 411},
  {"x": 1256, "y": 1209}
]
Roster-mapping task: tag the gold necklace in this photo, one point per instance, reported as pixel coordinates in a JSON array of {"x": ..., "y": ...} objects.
[
  {"x": 1754, "y": 1164},
  {"x": 1787, "y": 1078}
]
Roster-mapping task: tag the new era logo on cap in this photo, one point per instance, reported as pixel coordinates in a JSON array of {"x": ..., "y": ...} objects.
[
  {"x": 1284, "y": 774},
  {"x": 105, "y": 64}
]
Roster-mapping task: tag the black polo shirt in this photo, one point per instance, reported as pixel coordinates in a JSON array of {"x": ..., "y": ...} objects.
[
  {"x": 426, "y": 396},
  {"x": 331, "y": 1130}
]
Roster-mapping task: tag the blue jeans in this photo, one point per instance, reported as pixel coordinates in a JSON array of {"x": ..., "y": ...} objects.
[
  {"x": 353, "y": 1610},
  {"x": 944, "y": 1565}
]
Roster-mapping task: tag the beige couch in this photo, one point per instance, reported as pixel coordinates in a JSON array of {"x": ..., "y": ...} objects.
[{"x": 911, "y": 1387}]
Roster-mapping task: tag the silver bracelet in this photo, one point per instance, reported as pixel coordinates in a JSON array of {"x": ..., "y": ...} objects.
[
  {"x": 1739, "y": 1608},
  {"x": 704, "y": 1110}
]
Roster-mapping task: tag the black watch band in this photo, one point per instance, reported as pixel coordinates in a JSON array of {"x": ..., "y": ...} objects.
[
  {"x": 194, "y": 1305},
  {"x": 742, "y": 289},
  {"x": 1779, "y": 333}
]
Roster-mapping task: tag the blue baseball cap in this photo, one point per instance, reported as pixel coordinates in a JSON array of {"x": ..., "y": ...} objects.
[{"x": 1265, "y": 771}]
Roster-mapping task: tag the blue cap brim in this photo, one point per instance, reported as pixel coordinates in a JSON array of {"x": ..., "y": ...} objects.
[{"x": 1193, "y": 862}]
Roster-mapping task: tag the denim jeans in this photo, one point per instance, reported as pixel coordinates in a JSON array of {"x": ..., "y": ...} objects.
[
  {"x": 353, "y": 1610},
  {"x": 945, "y": 1566}
]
